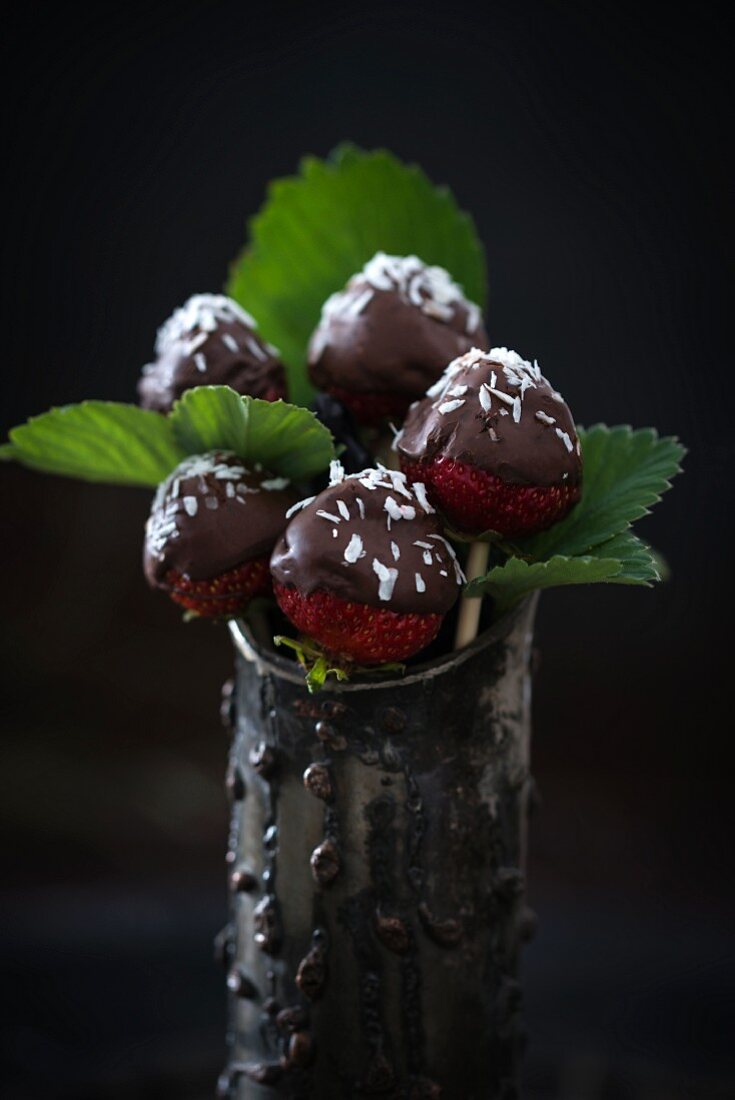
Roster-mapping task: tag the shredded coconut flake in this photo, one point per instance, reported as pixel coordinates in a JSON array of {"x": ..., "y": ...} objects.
[
  {"x": 191, "y": 505},
  {"x": 200, "y": 315},
  {"x": 387, "y": 577},
  {"x": 354, "y": 549},
  {"x": 485, "y": 399},
  {"x": 395, "y": 551},
  {"x": 343, "y": 509},
  {"x": 419, "y": 490},
  {"x": 420, "y": 583},
  {"x": 564, "y": 437},
  {"x": 544, "y": 417},
  {"x": 297, "y": 507},
  {"x": 328, "y": 515},
  {"x": 200, "y": 362},
  {"x": 450, "y": 406},
  {"x": 272, "y": 484}
]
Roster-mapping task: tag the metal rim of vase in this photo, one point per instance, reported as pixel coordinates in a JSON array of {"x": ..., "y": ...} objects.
[{"x": 276, "y": 665}]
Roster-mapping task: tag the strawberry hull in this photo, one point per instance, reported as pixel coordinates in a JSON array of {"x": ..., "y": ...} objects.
[
  {"x": 354, "y": 631},
  {"x": 375, "y": 861}
]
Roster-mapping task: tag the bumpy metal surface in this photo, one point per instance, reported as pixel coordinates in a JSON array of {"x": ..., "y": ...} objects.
[{"x": 375, "y": 861}]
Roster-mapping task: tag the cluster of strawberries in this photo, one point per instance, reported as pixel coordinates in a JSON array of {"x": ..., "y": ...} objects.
[{"x": 366, "y": 567}]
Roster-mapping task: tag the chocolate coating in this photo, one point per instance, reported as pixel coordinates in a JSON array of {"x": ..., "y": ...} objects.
[
  {"x": 210, "y": 515},
  {"x": 210, "y": 341},
  {"x": 393, "y": 329},
  {"x": 526, "y": 436},
  {"x": 336, "y": 539}
]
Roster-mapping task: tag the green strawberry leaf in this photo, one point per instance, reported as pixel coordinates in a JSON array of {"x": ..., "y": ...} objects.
[
  {"x": 625, "y": 472},
  {"x": 318, "y": 228},
  {"x": 513, "y": 580},
  {"x": 98, "y": 441},
  {"x": 623, "y": 559},
  {"x": 283, "y": 438},
  {"x": 640, "y": 564}
]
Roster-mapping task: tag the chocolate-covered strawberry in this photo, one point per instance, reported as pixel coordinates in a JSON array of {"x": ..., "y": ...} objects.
[
  {"x": 210, "y": 341},
  {"x": 364, "y": 569},
  {"x": 384, "y": 339},
  {"x": 495, "y": 445},
  {"x": 211, "y": 530}
]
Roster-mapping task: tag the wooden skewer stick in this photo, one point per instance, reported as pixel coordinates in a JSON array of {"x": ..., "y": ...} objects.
[{"x": 471, "y": 606}]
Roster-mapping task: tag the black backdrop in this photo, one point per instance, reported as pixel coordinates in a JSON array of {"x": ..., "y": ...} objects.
[{"x": 590, "y": 142}]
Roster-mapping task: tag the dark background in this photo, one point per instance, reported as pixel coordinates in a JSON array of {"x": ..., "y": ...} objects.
[{"x": 590, "y": 142}]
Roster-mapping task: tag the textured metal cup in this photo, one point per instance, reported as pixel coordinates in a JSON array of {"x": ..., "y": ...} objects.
[{"x": 376, "y": 870}]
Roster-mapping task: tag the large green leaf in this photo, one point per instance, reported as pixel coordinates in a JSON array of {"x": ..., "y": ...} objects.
[
  {"x": 284, "y": 438},
  {"x": 98, "y": 441},
  {"x": 319, "y": 227},
  {"x": 625, "y": 472}
]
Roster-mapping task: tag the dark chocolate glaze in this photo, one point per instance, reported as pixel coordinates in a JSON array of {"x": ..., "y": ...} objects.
[
  {"x": 393, "y": 329},
  {"x": 210, "y": 341},
  {"x": 309, "y": 555},
  {"x": 513, "y": 439},
  {"x": 210, "y": 515}
]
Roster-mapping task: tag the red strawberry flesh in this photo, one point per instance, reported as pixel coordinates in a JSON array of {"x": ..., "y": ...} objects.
[
  {"x": 474, "y": 500},
  {"x": 355, "y": 631},
  {"x": 227, "y": 594}
]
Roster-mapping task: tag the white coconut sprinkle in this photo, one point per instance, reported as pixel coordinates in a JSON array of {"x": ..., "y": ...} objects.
[
  {"x": 427, "y": 557},
  {"x": 420, "y": 582},
  {"x": 419, "y": 490},
  {"x": 255, "y": 349},
  {"x": 443, "y": 573},
  {"x": 360, "y": 507},
  {"x": 387, "y": 577},
  {"x": 197, "y": 342},
  {"x": 328, "y": 515},
  {"x": 564, "y": 437},
  {"x": 200, "y": 315},
  {"x": 517, "y": 409},
  {"x": 395, "y": 551},
  {"x": 200, "y": 362},
  {"x": 230, "y": 342},
  {"x": 557, "y": 397},
  {"x": 450, "y": 406},
  {"x": 457, "y": 391},
  {"x": 336, "y": 472},
  {"x": 191, "y": 505},
  {"x": 273, "y": 484},
  {"x": 423, "y": 545},
  {"x": 473, "y": 318},
  {"x": 297, "y": 507},
  {"x": 229, "y": 489},
  {"x": 502, "y": 396},
  {"x": 334, "y": 532},
  {"x": 544, "y": 417},
  {"x": 485, "y": 399},
  {"x": 358, "y": 304},
  {"x": 354, "y": 549},
  {"x": 343, "y": 509},
  {"x": 393, "y": 508}
]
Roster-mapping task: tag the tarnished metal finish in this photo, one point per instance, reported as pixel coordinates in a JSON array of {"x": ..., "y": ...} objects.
[{"x": 384, "y": 823}]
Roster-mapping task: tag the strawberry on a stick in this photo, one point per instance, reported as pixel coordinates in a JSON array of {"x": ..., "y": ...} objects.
[{"x": 496, "y": 447}]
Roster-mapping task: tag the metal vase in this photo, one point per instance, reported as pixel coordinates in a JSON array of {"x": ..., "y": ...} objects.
[{"x": 376, "y": 871}]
